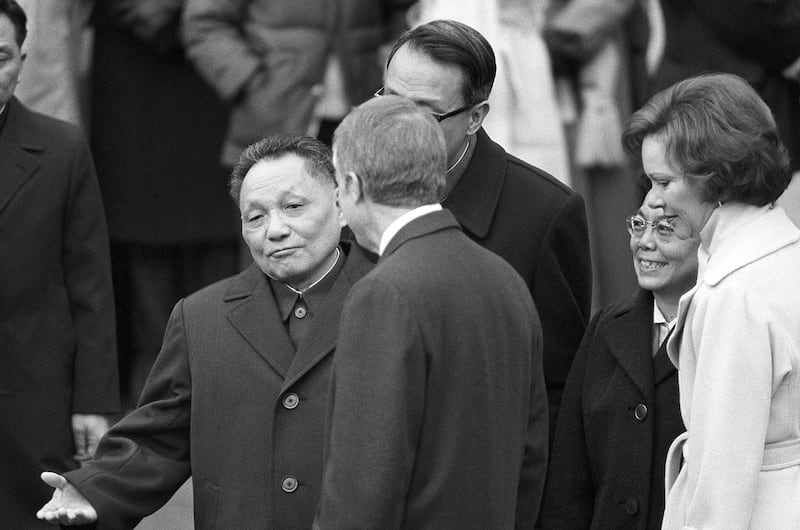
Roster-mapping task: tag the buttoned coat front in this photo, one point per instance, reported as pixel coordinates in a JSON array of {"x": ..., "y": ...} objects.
[
  {"x": 439, "y": 415},
  {"x": 619, "y": 415},
  {"x": 57, "y": 342},
  {"x": 538, "y": 225},
  {"x": 736, "y": 343},
  {"x": 231, "y": 403}
]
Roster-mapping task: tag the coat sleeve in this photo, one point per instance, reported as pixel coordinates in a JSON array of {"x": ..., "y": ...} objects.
[
  {"x": 215, "y": 44},
  {"x": 729, "y": 407},
  {"x": 562, "y": 289},
  {"x": 87, "y": 276},
  {"x": 376, "y": 412},
  {"x": 144, "y": 459},
  {"x": 569, "y": 497},
  {"x": 534, "y": 464}
]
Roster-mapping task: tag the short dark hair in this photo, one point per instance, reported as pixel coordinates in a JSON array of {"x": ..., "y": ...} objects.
[
  {"x": 16, "y": 14},
  {"x": 720, "y": 134},
  {"x": 454, "y": 43},
  {"x": 316, "y": 154},
  {"x": 397, "y": 150}
]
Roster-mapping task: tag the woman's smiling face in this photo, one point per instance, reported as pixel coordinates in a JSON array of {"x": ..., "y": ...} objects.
[{"x": 667, "y": 268}]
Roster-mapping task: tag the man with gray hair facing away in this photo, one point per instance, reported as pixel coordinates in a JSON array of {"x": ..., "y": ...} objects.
[{"x": 438, "y": 416}]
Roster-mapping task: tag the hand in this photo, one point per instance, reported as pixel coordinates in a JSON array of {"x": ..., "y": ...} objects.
[
  {"x": 67, "y": 506},
  {"x": 87, "y": 429}
]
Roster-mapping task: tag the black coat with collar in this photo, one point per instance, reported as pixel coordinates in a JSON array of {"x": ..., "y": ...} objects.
[
  {"x": 215, "y": 406},
  {"x": 538, "y": 225},
  {"x": 57, "y": 341},
  {"x": 438, "y": 418},
  {"x": 619, "y": 414}
]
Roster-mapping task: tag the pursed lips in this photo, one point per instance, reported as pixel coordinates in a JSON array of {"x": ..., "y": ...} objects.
[{"x": 281, "y": 252}]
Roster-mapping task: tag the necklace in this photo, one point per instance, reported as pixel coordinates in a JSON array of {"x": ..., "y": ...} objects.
[{"x": 299, "y": 292}]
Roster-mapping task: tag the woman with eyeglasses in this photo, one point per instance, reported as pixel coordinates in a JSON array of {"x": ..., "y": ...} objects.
[
  {"x": 716, "y": 165},
  {"x": 620, "y": 411}
]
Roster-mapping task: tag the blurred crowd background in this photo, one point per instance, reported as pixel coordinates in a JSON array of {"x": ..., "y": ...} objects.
[{"x": 168, "y": 92}]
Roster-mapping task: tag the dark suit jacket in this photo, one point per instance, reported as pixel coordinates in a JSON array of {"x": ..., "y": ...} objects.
[
  {"x": 538, "y": 225},
  {"x": 439, "y": 415},
  {"x": 753, "y": 39},
  {"x": 215, "y": 406},
  {"x": 619, "y": 414},
  {"x": 57, "y": 344}
]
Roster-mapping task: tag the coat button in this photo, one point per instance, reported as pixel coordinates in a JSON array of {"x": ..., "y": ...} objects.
[
  {"x": 290, "y": 401},
  {"x": 289, "y": 484},
  {"x": 300, "y": 311},
  {"x": 640, "y": 412},
  {"x": 632, "y": 506}
]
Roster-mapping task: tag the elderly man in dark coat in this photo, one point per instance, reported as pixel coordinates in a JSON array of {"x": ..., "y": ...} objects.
[
  {"x": 439, "y": 413},
  {"x": 58, "y": 371},
  {"x": 238, "y": 394}
]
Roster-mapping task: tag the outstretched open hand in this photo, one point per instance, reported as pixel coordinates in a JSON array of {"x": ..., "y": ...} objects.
[{"x": 67, "y": 506}]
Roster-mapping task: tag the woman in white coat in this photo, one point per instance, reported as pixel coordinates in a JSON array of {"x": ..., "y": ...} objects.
[{"x": 712, "y": 153}]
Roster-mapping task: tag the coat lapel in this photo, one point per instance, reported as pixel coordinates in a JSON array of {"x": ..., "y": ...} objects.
[
  {"x": 18, "y": 143},
  {"x": 322, "y": 339},
  {"x": 662, "y": 366},
  {"x": 421, "y": 226},
  {"x": 255, "y": 316},
  {"x": 474, "y": 198},
  {"x": 629, "y": 339}
]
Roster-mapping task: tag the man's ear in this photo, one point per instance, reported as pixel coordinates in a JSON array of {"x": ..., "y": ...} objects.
[
  {"x": 476, "y": 117},
  {"x": 353, "y": 186}
]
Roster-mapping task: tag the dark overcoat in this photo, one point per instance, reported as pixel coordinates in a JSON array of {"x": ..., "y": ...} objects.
[
  {"x": 231, "y": 403},
  {"x": 439, "y": 414},
  {"x": 57, "y": 343},
  {"x": 156, "y": 131},
  {"x": 619, "y": 414},
  {"x": 538, "y": 225}
]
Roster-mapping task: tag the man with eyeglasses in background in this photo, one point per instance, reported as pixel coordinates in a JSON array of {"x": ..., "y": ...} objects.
[{"x": 506, "y": 205}]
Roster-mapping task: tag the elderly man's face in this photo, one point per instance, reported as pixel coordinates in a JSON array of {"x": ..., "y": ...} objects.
[
  {"x": 290, "y": 220},
  {"x": 11, "y": 59},
  {"x": 432, "y": 85}
]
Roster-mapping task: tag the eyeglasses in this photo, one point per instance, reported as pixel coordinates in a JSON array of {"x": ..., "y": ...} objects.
[
  {"x": 637, "y": 225},
  {"x": 436, "y": 116}
]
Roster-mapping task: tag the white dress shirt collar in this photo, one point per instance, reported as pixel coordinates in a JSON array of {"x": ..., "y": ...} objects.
[{"x": 402, "y": 221}]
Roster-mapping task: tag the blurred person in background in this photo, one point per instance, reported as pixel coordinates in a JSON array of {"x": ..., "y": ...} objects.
[
  {"x": 506, "y": 205},
  {"x": 716, "y": 163},
  {"x": 620, "y": 411},
  {"x": 58, "y": 363},
  {"x": 156, "y": 131},
  {"x": 597, "y": 49},
  {"x": 287, "y": 66},
  {"x": 58, "y": 54}
]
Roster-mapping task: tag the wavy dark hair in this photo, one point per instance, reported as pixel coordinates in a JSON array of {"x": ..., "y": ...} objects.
[{"x": 720, "y": 134}]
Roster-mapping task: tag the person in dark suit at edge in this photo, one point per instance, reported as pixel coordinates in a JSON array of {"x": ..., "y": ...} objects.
[
  {"x": 510, "y": 207},
  {"x": 58, "y": 362},
  {"x": 238, "y": 394},
  {"x": 438, "y": 412}
]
